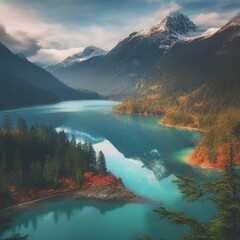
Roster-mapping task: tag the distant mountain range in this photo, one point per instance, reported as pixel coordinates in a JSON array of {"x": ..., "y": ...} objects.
[
  {"x": 22, "y": 83},
  {"x": 118, "y": 74},
  {"x": 88, "y": 53}
]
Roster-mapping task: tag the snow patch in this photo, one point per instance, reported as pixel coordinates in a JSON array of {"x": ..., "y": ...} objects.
[{"x": 86, "y": 54}]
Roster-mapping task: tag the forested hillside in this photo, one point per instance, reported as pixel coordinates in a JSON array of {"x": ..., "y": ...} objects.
[
  {"x": 22, "y": 83},
  {"x": 40, "y": 160},
  {"x": 196, "y": 84}
]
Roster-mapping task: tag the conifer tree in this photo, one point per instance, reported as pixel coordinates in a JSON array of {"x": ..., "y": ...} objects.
[
  {"x": 22, "y": 126},
  {"x": 7, "y": 124},
  {"x": 92, "y": 157},
  {"x": 35, "y": 174},
  {"x": 18, "y": 176},
  {"x": 101, "y": 163},
  {"x": 224, "y": 192}
]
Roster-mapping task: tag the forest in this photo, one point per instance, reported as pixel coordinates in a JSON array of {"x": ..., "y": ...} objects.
[
  {"x": 38, "y": 159},
  {"x": 218, "y": 122},
  {"x": 224, "y": 192}
]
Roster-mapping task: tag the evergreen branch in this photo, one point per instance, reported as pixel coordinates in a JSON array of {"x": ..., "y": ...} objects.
[{"x": 180, "y": 218}]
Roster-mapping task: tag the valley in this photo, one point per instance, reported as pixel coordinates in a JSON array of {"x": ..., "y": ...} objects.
[
  {"x": 109, "y": 123},
  {"x": 134, "y": 151}
]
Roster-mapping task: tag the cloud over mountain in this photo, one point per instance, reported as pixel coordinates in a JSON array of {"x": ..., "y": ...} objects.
[
  {"x": 20, "y": 43},
  {"x": 46, "y": 36}
]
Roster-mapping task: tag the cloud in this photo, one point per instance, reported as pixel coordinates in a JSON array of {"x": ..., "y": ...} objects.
[
  {"x": 144, "y": 22},
  {"x": 166, "y": 9},
  {"x": 49, "y": 56},
  {"x": 44, "y": 35},
  {"x": 216, "y": 19},
  {"x": 55, "y": 38},
  {"x": 20, "y": 43}
]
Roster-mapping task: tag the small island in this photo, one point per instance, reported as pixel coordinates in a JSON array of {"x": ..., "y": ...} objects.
[{"x": 39, "y": 163}]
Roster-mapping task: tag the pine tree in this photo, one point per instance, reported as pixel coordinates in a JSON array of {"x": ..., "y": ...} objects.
[
  {"x": 22, "y": 126},
  {"x": 35, "y": 174},
  {"x": 3, "y": 167},
  {"x": 78, "y": 176},
  {"x": 18, "y": 176},
  {"x": 7, "y": 124},
  {"x": 224, "y": 192},
  {"x": 92, "y": 158},
  {"x": 101, "y": 163},
  {"x": 51, "y": 172},
  {"x": 73, "y": 141}
]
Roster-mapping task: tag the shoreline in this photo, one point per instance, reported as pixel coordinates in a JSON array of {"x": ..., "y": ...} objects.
[
  {"x": 138, "y": 114},
  {"x": 187, "y": 158},
  {"x": 204, "y": 165},
  {"x": 182, "y": 127},
  {"x": 160, "y": 123},
  {"x": 36, "y": 201},
  {"x": 102, "y": 192}
]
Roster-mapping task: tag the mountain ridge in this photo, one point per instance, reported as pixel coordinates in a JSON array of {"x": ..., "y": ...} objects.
[
  {"x": 118, "y": 74},
  {"x": 88, "y": 53},
  {"x": 45, "y": 88},
  {"x": 196, "y": 84}
]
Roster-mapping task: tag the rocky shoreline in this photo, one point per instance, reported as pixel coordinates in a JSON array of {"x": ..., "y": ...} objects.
[
  {"x": 104, "y": 192},
  {"x": 108, "y": 192}
]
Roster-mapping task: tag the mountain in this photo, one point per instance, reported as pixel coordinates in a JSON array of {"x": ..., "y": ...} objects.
[
  {"x": 22, "y": 56},
  {"x": 22, "y": 83},
  {"x": 87, "y": 53},
  {"x": 196, "y": 84},
  {"x": 119, "y": 73},
  {"x": 198, "y": 69},
  {"x": 172, "y": 28}
]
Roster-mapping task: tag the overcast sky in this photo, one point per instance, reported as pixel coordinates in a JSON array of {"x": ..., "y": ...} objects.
[{"x": 47, "y": 31}]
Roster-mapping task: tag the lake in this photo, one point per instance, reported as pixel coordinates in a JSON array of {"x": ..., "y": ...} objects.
[{"x": 145, "y": 154}]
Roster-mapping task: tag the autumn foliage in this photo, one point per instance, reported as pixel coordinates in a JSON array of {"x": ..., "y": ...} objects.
[
  {"x": 201, "y": 158},
  {"x": 99, "y": 179},
  {"x": 68, "y": 183}
]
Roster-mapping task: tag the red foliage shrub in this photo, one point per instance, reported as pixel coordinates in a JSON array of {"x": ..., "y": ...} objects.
[
  {"x": 88, "y": 175},
  {"x": 200, "y": 157},
  {"x": 99, "y": 179},
  {"x": 68, "y": 183}
]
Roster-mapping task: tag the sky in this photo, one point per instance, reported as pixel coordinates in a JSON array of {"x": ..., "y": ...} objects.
[{"x": 47, "y": 31}]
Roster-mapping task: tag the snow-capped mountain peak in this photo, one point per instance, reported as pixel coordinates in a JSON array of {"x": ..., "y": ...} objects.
[
  {"x": 176, "y": 23},
  {"x": 87, "y": 53},
  {"x": 179, "y": 23},
  {"x": 171, "y": 29}
]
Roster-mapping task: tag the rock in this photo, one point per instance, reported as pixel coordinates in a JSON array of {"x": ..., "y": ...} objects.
[{"x": 111, "y": 192}]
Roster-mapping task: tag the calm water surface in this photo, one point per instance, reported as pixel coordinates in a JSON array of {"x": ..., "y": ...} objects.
[{"x": 146, "y": 155}]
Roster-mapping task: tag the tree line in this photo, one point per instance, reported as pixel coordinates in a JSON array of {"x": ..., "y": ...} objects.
[{"x": 38, "y": 156}]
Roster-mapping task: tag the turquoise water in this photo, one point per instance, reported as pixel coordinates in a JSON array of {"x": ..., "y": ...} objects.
[{"x": 146, "y": 155}]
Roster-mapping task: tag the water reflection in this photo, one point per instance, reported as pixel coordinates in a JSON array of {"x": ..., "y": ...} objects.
[
  {"x": 133, "y": 145},
  {"x": 136, "y": 137},
  {"x": 59, "y": 209},
  {"x": 84, "y": 219}
]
